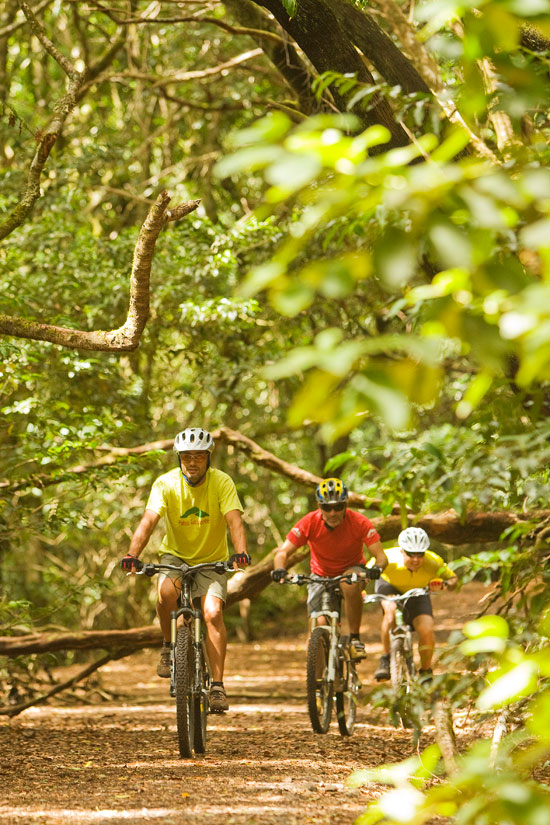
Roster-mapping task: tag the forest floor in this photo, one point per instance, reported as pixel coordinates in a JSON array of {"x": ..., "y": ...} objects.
[{"x": 116, "y": 761}]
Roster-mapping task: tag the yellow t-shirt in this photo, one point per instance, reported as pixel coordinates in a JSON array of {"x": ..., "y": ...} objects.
[
  {"x": 194, "y": 516},
  {"x": 403, "y": 579}
]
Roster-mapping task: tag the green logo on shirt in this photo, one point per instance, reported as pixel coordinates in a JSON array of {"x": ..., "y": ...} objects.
[{"x": 195, "y": 511}]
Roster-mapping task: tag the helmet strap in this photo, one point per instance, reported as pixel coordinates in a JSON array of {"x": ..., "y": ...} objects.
[{"x": 201, "y": 479}]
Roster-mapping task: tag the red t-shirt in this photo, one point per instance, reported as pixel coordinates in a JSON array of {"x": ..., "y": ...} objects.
[{"x": 333, "y": 551}]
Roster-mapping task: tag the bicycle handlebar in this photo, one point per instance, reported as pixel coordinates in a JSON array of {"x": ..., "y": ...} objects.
[
  {"x": 184, "y": 569},
  {"x": 349, "y": 578},
  {"x": 398, "y": 597}
]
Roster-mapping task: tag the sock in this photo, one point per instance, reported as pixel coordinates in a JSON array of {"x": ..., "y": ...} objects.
[
  {"x": 354, "y": 635},
  {"x": 166, "y": 644},
  {"x": 216, "y": 684}
]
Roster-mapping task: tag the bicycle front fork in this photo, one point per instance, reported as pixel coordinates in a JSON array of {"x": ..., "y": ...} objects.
[{"x": 333, "y": 635}]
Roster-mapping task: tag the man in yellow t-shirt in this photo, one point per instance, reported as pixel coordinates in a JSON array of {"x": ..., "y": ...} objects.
[
  {"x": 411, "y": 564},
  {"x": 198, "y": 503}
]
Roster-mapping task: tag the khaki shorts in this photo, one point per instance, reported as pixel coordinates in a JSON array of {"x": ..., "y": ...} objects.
[{"x": 205, "y": 582}]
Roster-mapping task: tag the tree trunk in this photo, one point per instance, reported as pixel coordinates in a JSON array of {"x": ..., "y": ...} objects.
[
  {"x": 292, "y": 67},
  {"x": 320, "y": 35},
  {"x": 378, "y": 48}
]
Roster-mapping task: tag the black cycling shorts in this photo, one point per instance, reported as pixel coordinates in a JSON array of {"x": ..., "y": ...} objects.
[{"x": 416, "y": 606}]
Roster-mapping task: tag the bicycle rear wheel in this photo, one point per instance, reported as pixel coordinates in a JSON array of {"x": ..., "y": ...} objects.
[
  {"x": 346, "y": 699},
  {"x": 185, "y": 710},
  {"x": 319, "y": 689},
  {"x": 201, "y": 704}
]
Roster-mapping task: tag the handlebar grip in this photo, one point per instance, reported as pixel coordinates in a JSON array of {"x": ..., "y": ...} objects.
[
  {"x": 148, "y": 570},
  {"x": 373, "y": 573}
]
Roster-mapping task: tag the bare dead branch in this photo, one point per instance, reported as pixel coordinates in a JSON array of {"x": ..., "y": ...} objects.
[
  {"x": 181, "y": 77},
  {"x": 14, "y": 710},
  {"x": 126, "y": 338},
  {"x": 444, "y": 733}
]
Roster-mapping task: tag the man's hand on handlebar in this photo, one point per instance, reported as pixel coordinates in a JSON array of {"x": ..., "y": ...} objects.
[
  {"x": 238, "y": 560},
  {"x": 131, "y": 564},
  {"x": 437, "y": 584},
  {"x": 279, "y": 575},
  {"x": 373, "y": 572}
]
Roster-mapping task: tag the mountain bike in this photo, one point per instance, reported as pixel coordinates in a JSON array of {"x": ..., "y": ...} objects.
[
  {"x": 331, "y": 676},
  {"x": 189, "y": 667},
  {"x": 402, "y": 667}
]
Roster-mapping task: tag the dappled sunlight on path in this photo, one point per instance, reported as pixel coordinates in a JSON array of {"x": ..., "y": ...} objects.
[{"x": 117, "y": 762}]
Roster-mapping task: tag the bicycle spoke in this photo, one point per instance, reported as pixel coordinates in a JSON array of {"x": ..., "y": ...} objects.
[
  {"x": 319, "y": 688},
  {"x": 346, "y": 698}
]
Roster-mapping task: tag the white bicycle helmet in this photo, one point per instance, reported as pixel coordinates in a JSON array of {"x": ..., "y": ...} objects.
[
  {"x": 413, "y": 540},
  {"x": 193, "y": 438}
]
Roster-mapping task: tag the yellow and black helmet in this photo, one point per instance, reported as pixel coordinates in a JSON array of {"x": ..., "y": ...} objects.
[{"x": 331, "y": 490}]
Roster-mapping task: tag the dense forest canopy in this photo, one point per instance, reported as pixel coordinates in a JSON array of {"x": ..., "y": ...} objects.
[{"x": 362, "y": 287}]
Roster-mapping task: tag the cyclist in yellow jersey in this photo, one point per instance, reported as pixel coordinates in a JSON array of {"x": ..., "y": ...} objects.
[
  {"x": 411, "y": 564},
  {"x": 198, "y": 504}
]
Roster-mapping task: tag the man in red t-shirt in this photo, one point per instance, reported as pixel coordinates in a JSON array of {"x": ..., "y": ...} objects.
[{"x": 336, "y": 537}]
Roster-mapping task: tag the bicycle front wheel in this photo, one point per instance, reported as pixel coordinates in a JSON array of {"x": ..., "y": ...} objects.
[
  {"x": 200, "y": 702},
  {"x": 402, "y": 674},
  {"x": 346, "y": 699},
  {"x": 398, "y": 667},
  {"x": 185, "y": 710},
  {"x": 319, "y": 688}
]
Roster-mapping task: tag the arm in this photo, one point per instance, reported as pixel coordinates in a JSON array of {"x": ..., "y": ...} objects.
[
  {"x": 143, "y": 532},
  {"x": 281, "y": 555},
  {"x": 377, "y": 551},
  {"x": 237, "y": 531}
]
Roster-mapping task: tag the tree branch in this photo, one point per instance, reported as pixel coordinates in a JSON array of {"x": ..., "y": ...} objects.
[
  {"x": 77, "y": 85},
  {"x": 428, "y": 69},
  {"x": 447, "y": 526},
  {"x": 14, "y": 710},
  {"x": 17, "y": 24},
  {"x": 126, "y": 338},
  {"x": 321, "y": 35},
  {"x": 47, "y": 139},
  {"x": 39, "y": 32}
]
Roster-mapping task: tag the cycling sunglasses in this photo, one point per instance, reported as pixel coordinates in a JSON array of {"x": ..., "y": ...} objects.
[
  {"x": 338, "y": 506},
  {"x": 414, "y": 555}
]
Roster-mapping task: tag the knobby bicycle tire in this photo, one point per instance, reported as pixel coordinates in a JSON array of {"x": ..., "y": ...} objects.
[
  {"x": 185, "y": 711},
  {"x": 346, "y": 699},
  {"x": 397, "y": 663},
  {"x": 200, "y": 703},
  {"x": 402, "y": 673},
  {"x": 319, "y": 689}
]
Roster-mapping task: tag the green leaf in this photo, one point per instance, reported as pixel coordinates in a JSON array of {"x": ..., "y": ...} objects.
[
  {"x": 487, "y": 626},
  {"x": 290, "y": 6},
  {"x": 515, "y": 683},
  {"x": 247, "y": 160},
  {"x": 291, "y": 172}
]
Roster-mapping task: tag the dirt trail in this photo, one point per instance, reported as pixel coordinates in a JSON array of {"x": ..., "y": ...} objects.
[{"x": 117, "y": 762}]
